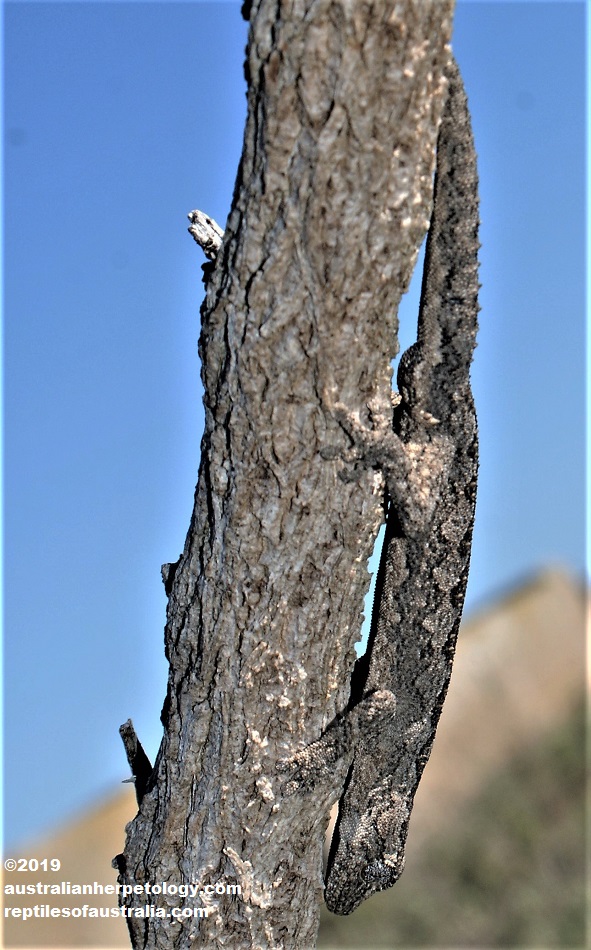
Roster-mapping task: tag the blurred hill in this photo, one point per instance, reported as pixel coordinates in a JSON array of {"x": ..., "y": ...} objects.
[
  {"x": 495, "y": 854},
  {"x": 85, "y": 848}
]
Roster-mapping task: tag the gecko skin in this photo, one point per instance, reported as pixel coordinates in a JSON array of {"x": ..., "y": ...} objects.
[{"x": 428, "y": 455}]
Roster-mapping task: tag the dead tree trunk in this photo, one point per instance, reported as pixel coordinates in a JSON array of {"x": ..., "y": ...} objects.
[{"x": 331, "y": 204}]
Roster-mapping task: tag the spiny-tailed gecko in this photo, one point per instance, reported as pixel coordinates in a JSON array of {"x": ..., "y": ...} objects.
[{"x": 428, "y": 455}]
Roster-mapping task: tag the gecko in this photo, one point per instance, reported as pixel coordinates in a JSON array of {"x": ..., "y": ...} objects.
[
  {"x": 427, "y": 452},
  {"x": 428, "y": 455}
]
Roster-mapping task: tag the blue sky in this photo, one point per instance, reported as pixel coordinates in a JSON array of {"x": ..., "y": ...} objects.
[{"x": 119, "y": 118}]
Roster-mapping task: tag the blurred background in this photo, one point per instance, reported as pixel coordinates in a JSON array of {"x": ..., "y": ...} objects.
[{"x": 119, "y": 118}]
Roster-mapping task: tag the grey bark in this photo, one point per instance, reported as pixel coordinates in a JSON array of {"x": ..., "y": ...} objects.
[{"x": 265, "y": 604}]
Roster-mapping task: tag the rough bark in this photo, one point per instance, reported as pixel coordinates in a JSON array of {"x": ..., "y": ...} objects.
[{"x": 331, "y": 203}]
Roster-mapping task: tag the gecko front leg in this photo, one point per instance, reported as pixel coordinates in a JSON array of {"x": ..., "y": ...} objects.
[{"x": 315, "y": 763}]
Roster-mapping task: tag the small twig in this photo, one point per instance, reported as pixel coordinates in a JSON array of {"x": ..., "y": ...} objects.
[
  {"x": 206, "y": 232},
  {"x": 139, "y": 762}
]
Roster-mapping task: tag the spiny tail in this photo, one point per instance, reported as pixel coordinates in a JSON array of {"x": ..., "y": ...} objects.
[{"x": 449, "y": 297}]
